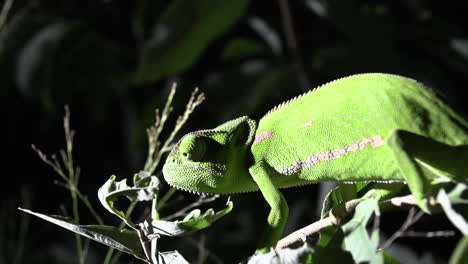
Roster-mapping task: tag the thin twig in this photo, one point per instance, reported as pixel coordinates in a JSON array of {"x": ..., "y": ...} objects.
[
  {"x": 195, "y": 100},
  {"x": 291, "y": 41},
  {"x": 46, "y": 160},
  {"x": 23, "y": 228},
  {"x": 410, "y": 220},
  {"x": 155, "y": 130},
  {"x": 448, "y": 233},
  {"x": 83, "y": 199},
  {"x": 315, "y": 227},
  {"x": 205, "y": 253},
  {"x": 165, "y": 198},
  {"x": 300, "y": 234},
  {"x": 201, "y": 200}
]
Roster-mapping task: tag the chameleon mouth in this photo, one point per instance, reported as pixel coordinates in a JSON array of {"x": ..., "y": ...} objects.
[
  {"x": 191, "y": 170},
  {"x": 187, "y": 190},
  {"x": 174, "y": 174}
]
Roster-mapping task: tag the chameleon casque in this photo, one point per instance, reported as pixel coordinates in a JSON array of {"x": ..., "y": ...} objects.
[{"x": 365, "y": 127}]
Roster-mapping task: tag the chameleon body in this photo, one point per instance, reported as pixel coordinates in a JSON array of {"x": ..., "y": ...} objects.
[{"x": 365, "y": 127}]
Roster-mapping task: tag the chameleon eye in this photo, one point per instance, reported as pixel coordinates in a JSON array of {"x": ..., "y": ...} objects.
[{"x": 193, "y": 147}]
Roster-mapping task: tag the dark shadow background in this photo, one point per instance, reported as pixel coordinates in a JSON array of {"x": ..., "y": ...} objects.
[{"x": 113, "y": 62}]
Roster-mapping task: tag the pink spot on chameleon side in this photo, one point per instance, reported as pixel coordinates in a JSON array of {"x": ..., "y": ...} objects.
[
  {"x": 326, "y": 156},
  {"x": 262, "y": 136},
  {"x": 308, "y": 123}
]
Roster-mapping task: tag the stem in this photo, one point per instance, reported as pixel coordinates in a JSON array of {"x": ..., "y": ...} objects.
[
  {"x": 76, "y": 218},
  {"x": 110, "y": 251},
  {"x": 155, "y": 130},
  {"x": 165, "y": 198},
  {"x": 388, "y": 205},
  {"x": 90, "y": 207},
  {"x": 154, "y": 242},
  {"x": 195, "y": 100}
]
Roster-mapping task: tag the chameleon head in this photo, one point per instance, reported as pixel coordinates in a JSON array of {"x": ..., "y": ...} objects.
[{"x": 209, "y": 161}]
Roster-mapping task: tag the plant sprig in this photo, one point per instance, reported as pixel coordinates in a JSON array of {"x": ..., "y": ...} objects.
[
  {"x": 69, "y": 174},
  {"x": 155, "y": 149}
]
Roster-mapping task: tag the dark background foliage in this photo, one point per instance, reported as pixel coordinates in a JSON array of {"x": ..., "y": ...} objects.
[{"x": 113, "y": 61}]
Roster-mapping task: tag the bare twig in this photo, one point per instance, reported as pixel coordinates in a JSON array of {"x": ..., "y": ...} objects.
[
  {"x": 205, "y": 253},
  {"x": 155, "y": 150},
  {"x": 307, "y": 231},
  {"x": 165, "y": 198},
  {"x": 291, "y": 41},
  {"x": 403, "y": 200},
  {"x": 4, "y": 13},
  {"x": 155, "y": 130},
  {"x": 201, "y": 200},
  {"x": 410, "y": 220},
  {"x": 52, "y": 164},
  {"x": 329, "y": 221},
  {"x": 195, "y": 100},
  {"x": 448, "y": 233},
  {"x": 67, "y": 171}
]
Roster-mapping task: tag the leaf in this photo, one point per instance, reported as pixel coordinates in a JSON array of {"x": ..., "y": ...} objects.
[
  {"x": 287, "y": 255},
  {"x": 34, "y": 54},
  {"x": 460, "y": 254},
  {"x": 357, "y": 241},
  {"x": 145, "y": 189},
  {"x": 329, "y": 248},
  {"x": 389, "y": 259},
  {"x": 124, "y": 240},
  {"x": 184, "y": 31},
  {"x": 454, "y": 217},
  {"x": 267, "y": 33},
  {"x": 194, "y": 221},
  {"x": 13, "y": 37},
  {"x": 241, "y": 47},
  {"x": 172, "y": 257},
  {"x": 456, "y": 194},
  {"x": 381, "y": 191}
]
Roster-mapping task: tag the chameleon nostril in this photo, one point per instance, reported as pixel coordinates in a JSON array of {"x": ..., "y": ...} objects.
[{"x": 185, "y": 154}]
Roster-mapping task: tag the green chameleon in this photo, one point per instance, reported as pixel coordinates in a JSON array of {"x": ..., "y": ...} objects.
[{"x": 365, "y": 127}]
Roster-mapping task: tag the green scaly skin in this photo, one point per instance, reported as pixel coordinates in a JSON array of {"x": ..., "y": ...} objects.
[{"x": 366, "y": 127}]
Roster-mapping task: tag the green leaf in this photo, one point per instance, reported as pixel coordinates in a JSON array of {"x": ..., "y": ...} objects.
[
  {"x": 380, "y": 191},
  {"x": 460, "y": 254},
  {"x": 389, "y": 259},
  {"x": 145, "y": 189},
  {"x": 331, "y": 200},
  {"x": 357, "y": 241},
  {"x": 172, "y": 257},
  {"x": 194, "y": 221},
  {"x": 456, "y": 218},
  {"x": 242, "y": 47},
  {"x": 184, "y": 31},
  {"x": 300, "y": 255},
  {"x": 456, "y": 194},
  {"x": 35, "y": 52},
  {"x": 124, "y": 240},
  {"x": 329, "y": 248}
]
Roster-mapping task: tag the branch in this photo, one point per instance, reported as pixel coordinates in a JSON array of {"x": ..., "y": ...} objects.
[
  {"x": 201, "y": 200},
  {"x": 304, "y": 232},
  {"x": 411, "y": 219},
  {"x": 313, "y": 228},
  {"x": 155, "y": 150}
]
